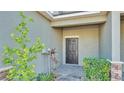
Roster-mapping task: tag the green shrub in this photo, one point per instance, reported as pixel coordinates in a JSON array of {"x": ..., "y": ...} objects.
[
  {"x": 96, "y": 69},
  {"x": 45, "y": 77}
]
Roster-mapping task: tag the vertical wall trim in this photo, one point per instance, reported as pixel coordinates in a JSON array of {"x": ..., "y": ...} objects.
[{"x": 115, "y": 18}]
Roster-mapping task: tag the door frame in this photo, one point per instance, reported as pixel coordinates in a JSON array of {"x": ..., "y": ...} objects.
[{"x": 64, "y": 48}]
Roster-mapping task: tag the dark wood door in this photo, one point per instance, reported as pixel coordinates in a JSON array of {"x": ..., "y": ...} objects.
[{"x": 72, "y": 50}]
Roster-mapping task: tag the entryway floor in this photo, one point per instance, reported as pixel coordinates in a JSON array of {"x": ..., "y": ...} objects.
[{"x": 69, "y": 73}]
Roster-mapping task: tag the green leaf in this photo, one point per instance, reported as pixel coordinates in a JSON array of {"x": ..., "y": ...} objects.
[{"x": 31, "y": 20}]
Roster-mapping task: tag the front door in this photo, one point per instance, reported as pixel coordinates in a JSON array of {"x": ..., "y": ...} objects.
[{"x": 72, "y": 50}]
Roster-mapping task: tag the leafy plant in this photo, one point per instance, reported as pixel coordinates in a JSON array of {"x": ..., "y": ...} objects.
[
  {"x": 96, "y": 69},
  {"x": 45, "y": 77},
  {"x": 21, "y": 56}
]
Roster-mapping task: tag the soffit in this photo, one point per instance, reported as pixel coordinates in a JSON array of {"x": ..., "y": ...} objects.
[{"x": 91, "y": 17}]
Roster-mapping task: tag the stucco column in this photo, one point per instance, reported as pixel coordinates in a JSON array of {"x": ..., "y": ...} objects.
[
  {"x": 116, "y": 67},
  {"x": 115, "y": 19}
]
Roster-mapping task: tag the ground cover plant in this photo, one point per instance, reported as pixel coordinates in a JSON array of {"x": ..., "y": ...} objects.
[{"x": 46, "y": 77}]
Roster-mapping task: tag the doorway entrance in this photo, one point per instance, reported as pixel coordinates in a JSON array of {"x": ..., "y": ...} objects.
[{"x": 71, "y": 50}]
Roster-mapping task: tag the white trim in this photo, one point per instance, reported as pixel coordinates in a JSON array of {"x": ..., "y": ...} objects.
[
  {"x": 49, "y": 14},
  {"x": 73, "y": 14},
  {"x": 64, "y": 48}
]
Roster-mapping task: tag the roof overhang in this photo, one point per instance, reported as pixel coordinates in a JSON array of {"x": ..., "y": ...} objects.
[
  {"x": 84, "y": 18},
  {"x": 122, "y": 13},
  {"x": 73, "y": 15}
]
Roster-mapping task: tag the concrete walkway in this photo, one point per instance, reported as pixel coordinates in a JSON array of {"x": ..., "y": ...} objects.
[{"x": 69, "y": 73}]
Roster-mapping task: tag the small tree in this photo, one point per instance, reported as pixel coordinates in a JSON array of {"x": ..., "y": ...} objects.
[{"x": 21, "y": 56}]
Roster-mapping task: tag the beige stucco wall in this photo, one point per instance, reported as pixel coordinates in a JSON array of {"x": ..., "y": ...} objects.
[
  {"x": 105, "y": 44},
  {"x": 51, "y": 37},
  {"x": 88, "y": 40}
]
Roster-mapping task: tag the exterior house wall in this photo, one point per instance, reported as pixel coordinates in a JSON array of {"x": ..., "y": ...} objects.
[
  {"x": 105, "y": 43},
  {"x": 122, "y": 41},
  {"x": 88, "y": 40},
  {"x": 51, "y": 37}
]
